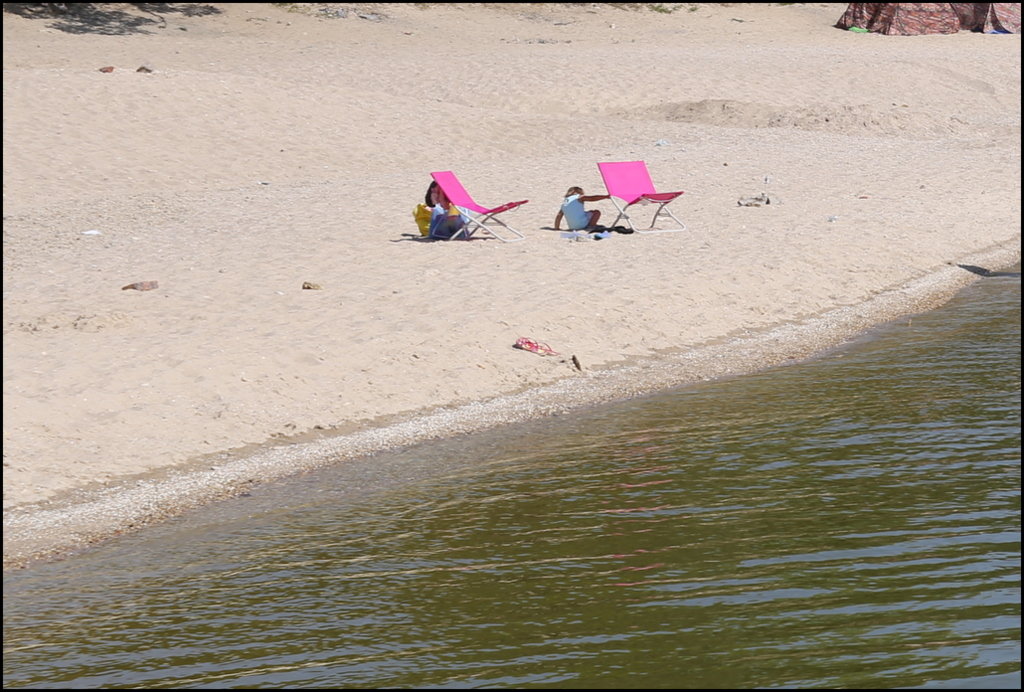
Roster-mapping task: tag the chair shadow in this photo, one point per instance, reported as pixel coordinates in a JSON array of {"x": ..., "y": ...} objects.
[
  {"x": 417, "y": 238},
  {"x": 413, "y": 237},
  {"x": 981, "y": 271}
]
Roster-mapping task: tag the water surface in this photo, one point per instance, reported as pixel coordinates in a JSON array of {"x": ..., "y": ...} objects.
[{"x": 850, "y": 522}]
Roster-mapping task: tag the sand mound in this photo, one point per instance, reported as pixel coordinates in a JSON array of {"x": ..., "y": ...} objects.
[{"x": 859, "y": 120}]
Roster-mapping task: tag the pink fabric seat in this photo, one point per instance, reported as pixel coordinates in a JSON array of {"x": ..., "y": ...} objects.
[
  {"x": 480, "y": 217},
  {"x": 630, "y": 182}
]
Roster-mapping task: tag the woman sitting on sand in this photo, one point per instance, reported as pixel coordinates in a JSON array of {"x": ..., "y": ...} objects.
[{"x": 446, "y": 220}]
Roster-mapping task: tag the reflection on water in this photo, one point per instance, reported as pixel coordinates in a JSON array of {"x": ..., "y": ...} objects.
[{"x": 848, "y": 522}]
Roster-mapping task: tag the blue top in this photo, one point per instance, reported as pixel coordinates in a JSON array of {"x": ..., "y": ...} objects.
[
  {"x": 445, "y": 224},
  {"x": 575, "y": 215}
]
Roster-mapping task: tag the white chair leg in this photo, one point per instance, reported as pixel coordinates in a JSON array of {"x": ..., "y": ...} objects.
[{"x": 663, "y": 208}]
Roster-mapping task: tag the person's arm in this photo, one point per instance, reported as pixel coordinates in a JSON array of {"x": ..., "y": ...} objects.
[
  {"x": 594, "y": 198},
  {"x": 558, "y": 220}
]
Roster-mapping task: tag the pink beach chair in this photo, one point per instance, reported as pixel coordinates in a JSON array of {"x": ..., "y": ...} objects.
[
  {"x": 630, "y": 182},
  {"x": 479, "y": 217}
]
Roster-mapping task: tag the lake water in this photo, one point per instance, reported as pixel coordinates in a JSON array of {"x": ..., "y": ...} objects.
[{"x": 849, "y": 522}]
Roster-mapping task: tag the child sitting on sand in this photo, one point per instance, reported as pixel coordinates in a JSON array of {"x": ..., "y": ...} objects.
[
  {"x": 575, "y": 214},
  {"x": 447, "y": 221}
]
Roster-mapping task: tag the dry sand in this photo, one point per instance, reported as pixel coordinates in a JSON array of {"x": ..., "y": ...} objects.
[{"x": 270, "y": 146}]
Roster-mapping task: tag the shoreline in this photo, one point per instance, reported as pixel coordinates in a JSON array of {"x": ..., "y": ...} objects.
[{"x": 56, "y": 529}]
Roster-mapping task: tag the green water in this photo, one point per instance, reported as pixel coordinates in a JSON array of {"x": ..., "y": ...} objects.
[{"x": 851, "y": 522}]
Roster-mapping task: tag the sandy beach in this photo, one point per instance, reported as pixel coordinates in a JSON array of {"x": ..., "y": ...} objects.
[{"x": 262, "y": 147}]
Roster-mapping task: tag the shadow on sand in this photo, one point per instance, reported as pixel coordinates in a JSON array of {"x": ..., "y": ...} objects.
[
  {"x": 981, "y": 271},
  {"x": 108, "y": 18}
]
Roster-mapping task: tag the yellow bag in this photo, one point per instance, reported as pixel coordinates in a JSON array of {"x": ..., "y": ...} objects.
[{"x": 422, "y": 214}]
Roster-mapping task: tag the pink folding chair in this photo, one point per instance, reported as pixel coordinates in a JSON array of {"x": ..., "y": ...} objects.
[
  {"x": 479, "y": 217},
  {"x": 630, "y": 182}
]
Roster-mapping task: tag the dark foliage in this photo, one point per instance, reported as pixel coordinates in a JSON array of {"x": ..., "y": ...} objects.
[{"x": 107, "y": 18}]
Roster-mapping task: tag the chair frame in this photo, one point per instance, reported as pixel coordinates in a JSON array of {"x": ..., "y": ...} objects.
[
  {"x": 639, "y": 191},
  {"x": 478, "y": 216}
]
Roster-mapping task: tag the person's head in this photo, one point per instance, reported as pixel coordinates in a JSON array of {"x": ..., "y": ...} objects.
[
  {"x": 430, "y": 199},
  {"x": 574, "y": 190}
]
